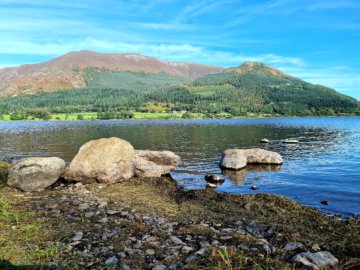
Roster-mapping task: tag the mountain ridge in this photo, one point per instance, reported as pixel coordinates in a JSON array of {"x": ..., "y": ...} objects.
[{"x": 67, "y": 71}]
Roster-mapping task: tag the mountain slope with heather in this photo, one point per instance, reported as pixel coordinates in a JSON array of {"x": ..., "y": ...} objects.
[{"x": 69, "y": 71}]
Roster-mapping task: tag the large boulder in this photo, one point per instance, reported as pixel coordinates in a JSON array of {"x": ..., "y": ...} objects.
[
  {"x": 233, "y": 159},
  {"x": 236, "y": 159},
  {"x": 154, "y": 163},
  {"x": 106, "y": 160},
  {"x": 35, "y": 173}
]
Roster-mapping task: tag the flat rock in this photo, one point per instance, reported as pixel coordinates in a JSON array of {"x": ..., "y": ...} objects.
[
  {"x": 35, "y": 173},
  {"x": 236, "y": 159},
  {"x": 315, "y": 260},
  {"x": 107, "y": 160},
  {"x": 154, "y": 163},
  {"x": 293, "y": 246}
]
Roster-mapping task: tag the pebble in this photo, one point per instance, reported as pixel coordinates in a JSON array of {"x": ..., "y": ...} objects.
[
  {"x": 264, "y": 140},
  {"x": 51, "y": 205},
  {"x": 111, "y": 261},
  {"x": 176, "y": 240},
  {"x": 89, "y": 214},
  {"x": 78, "y": 236},
  {"x": 159, "y": 267},
  {"x": 150, "y": 251},
  {"x": 104, "y": 220},
  {"x": 293, "y": 246},
  {"x": 102, "y": 205},
  {"x": 83, "y": 206}
]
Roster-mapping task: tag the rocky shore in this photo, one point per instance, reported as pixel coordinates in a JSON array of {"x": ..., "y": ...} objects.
[{"x": 151, "y": 223}]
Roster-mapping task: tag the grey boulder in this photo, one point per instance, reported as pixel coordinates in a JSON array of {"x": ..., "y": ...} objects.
[
  {"x": 154, "y": 163},
  {"x": 35, "y": 173}
]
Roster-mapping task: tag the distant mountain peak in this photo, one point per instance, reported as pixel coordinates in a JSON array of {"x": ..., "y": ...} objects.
[{"x": 256, "y": 67}]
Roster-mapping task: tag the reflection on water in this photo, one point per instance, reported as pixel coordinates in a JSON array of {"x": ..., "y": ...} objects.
[
  {"x": 238, "y": 177},
  {"x": 324, "y": 166}
]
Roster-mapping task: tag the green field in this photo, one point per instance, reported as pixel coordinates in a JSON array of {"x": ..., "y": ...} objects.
[{"x": 137, "y": 115}]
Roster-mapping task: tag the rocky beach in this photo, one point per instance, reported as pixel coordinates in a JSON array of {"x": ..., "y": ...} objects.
[{"x": 149, "y": 222}]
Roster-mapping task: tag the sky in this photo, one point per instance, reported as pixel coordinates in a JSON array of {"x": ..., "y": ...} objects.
[{"x": 317, "y": 41}]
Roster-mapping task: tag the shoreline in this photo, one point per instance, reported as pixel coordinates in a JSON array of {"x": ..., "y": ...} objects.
[
  {"x": 178, "y": 118},
  {"x": 145, "y": 223}
]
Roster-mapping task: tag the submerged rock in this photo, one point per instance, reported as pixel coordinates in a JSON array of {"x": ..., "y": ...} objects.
[
  {"x": 107, "y": 160},
  {"x": 35, "y": 173},
  {"x": 154, "y": 163},
  {"x": 315, "y": 260}
]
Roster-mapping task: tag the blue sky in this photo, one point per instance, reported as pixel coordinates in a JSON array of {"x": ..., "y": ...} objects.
[{"x": 318, "y": 41}]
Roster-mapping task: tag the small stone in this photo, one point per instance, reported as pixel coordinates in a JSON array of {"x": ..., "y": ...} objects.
[
  {"x": 124, "y": 266},
  {"x": 159, "y": 267},
  {"x": 325, "y": 202},
  {"x": 315, "y": 247},
  {"x": 214, "y": 178},
  {"x": 254, "y": 187},
  {"x": 269, "y": 249},
  {"x": 186, "y": 249},
  {"x": 102, "y": 205},
  {"x": 78, "y": 236},
  {"x": 79, "y": 185},
  {"x": 150, "y": 251},
  {"x": 111, "y": 261},
  {"x": 247, "y": 206},
  {"x": 211, "y": 185},
  {"x": 83, "y": 206},
  {"x": 111, "y": 212},
  {"x": 264, "y": 140},
  {"x": 176, "y": 240},
  {"x": 104, "y": 220},
  {"x": 51, "y": 205},
  {"x": 293, "y": 246},
  {"x": 89, "y": 214},
  {"x": 315, "y": 260}
]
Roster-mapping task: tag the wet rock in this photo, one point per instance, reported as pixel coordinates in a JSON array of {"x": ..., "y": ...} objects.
[
  {"x": 264, "y": 140},
  {"x": 35, "y": 173},
  {"x": 154, "y": 163},
  {"x": 315, "y": 260},
  {"x": 211, "y": 185},
  {"x": 325, "y": 202},
  {"x": 254, "y": 187},
  {"x": 214, "y": 178},
  {"x": 111, "y": 261},
  {"x": 291, "y": 141},
  {"x": 293, "y": 246},
  {"x": 107, "y": 160}
]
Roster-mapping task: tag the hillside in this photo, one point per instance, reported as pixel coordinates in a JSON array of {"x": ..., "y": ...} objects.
[
  {"x": 251, "y": 88},
  {"x": 69, "y": 71}
]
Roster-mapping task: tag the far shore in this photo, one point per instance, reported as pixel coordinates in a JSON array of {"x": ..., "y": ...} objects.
[{"x": 92, "y": 116}]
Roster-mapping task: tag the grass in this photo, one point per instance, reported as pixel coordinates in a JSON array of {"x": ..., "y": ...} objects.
[{"x": 27, "y": 240}]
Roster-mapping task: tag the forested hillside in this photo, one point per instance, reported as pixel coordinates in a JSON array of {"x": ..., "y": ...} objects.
[{"x": 251, "y": 88}]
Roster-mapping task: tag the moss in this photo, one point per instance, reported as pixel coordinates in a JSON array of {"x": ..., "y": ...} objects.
[{"x": 4, "y": 171}]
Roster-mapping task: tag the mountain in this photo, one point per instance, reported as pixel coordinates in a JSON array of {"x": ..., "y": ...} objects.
[
  {"x": 127, "y": 82},
  {"x": 69, "y": 71}
]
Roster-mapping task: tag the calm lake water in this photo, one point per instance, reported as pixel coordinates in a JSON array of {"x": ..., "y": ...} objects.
[{"x": 325, "y": 166}]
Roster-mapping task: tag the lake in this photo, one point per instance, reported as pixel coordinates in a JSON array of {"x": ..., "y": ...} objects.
[{"x": 325, "y": 166}]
